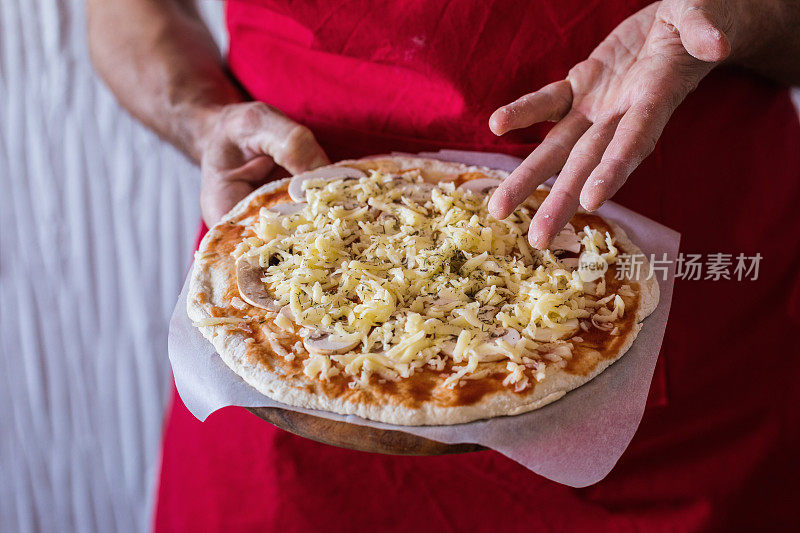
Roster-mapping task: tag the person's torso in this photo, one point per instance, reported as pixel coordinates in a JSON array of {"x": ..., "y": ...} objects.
[
  {"x": 414, "y": 74},
  {"x": 376, "y": 77}
]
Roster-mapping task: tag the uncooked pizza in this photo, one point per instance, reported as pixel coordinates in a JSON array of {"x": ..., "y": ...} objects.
[{"x": 383, "y": 288}]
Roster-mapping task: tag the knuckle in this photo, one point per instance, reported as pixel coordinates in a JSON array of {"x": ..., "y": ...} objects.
[
  {"x": 579, "y": 157},
  {"x": 558, "y": 105},
  {"x": 245, "y": 117},
  {"x": 565, "y": 196},
  {"x": 642, "y": 145},
  {"x": 663, "y": 103},
  {"x": 298, "y": 149},
  {"x": 556, "y": 145},
  {"x": 252, "y": 116},
  {"x": 299, "y": 138},
  {"x": 576, "y": 164},
  {"x": 218, "y": 134},
  {"x": 690, "y": 83},
  {"x": 646, "y": 145},
  {"x": 582, "y": 76},
  {"x": 655, "y": 102},
  {"x": 617, "y": 167},
  {"x": 526, "y": 103}
]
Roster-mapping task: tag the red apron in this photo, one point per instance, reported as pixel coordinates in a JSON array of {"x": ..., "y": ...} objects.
[{"x": 718, "y": 446}]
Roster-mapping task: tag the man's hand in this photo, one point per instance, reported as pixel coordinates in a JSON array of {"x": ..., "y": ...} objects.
[
  {"x": 242, "y": 150},
  {"x": 612, "y": 108},
  {"x": 160, "y": 61}
]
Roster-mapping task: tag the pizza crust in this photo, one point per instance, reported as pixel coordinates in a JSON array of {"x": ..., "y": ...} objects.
[{"x": 209, "y": 278}]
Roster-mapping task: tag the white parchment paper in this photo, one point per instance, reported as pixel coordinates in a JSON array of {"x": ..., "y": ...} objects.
[{"x": 575, "y": 441}]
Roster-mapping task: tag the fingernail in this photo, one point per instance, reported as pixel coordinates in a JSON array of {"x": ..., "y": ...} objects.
[
  {"x": 491, "y": 207},
  {"x": 495, "y": 210},
  {"x": 590, "y": 207},
  {"x": 494, "y": 126},
  {"x": 589, "y": 204},
  {"x": 537, "y": 241}
]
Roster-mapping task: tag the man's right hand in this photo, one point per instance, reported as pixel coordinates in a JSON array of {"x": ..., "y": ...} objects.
[
  {"x": 245, "y": 145},
  {"x": 162, "y": 64}
]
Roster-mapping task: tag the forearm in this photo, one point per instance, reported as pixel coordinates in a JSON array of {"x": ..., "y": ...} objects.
[
  {"x": 162, "y": 64},
  {"x": 768, "y": 39}
]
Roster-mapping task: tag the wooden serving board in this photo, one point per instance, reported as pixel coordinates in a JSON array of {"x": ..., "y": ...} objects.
[{"x": 355, "y": 437}]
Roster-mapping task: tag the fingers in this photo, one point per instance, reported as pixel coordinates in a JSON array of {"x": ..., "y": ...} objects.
[
  {"x": 221, "y": 190},
  {"x": 703, "y": 27},
  {"x": 247, "y": 142},
  {"x": 701, "y": 36},
  {"x": 562, "y": 201},
  {"x": 265, "y": 130},
  {"x": 634, "y": 140},
  {"x": 545, "y": 161},
  {"x": 294, "y": 147},
  {"x": 550, "y": 103}
]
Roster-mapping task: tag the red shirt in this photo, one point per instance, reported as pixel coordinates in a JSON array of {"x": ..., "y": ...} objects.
[{"x": 718, "y": 446}]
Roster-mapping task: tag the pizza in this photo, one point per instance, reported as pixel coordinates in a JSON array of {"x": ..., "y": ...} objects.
[{"x": 381, "y": 287}]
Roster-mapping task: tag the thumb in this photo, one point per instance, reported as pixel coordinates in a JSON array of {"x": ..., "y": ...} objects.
[
  {"x": 290, "y": 144},
  {"x": 265, "y": 130},
  {"x": 223, "y": 189},
  {"x": 703, "y": 31}
]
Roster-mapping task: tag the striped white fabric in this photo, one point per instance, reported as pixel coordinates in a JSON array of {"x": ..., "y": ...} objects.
[{"x": 97, "y": 219}]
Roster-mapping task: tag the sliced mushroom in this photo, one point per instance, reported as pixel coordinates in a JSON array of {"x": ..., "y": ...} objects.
[
  {"x": 448, "y": 348},
  {"x": 566, "y": 240},
  {"x": 324, "y": 343},
  {"x": 251, "y": 288},
  {"x": 349, "y": 204},
  {"x": 286, "y": 311},
  {"x": 566, "y": 329},
  {"x": 418, "y": 192},
  {"x": 444, "y": 301},
  {"x": 287, "y": 208},
  {"x": 481, "y": 185},
  {"x": 325, "y": 173},
  {"x": 511, "y": 336},
  {"x": 570, "y": 262},
  {"x": 388, "y": 220},
  {"x": 487, "y": 314}
]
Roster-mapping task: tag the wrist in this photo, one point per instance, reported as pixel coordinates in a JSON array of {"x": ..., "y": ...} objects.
[
  {"x": 197, "y": 123},
  {"x": 202, "y": 123},
  {"x": 195, "y": 110}
]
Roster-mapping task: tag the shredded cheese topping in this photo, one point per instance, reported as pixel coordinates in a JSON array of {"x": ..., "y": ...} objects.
[{"x": 420, "y": 275}]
